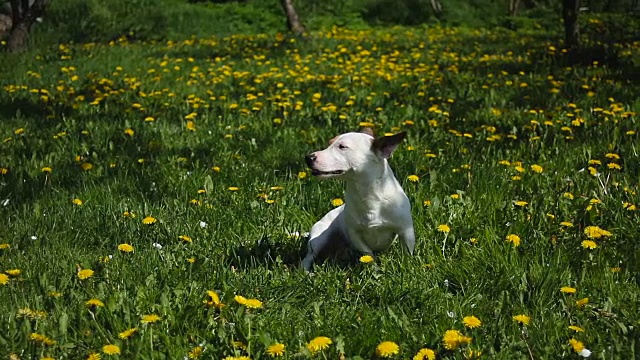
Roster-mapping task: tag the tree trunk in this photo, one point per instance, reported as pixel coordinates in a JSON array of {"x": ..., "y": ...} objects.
[
  {"x": 293, "y": 21},
  {"x": 19, "y": 35},
  {"x": 514, "y": 6},
  {"x": 23, "y": 16},
  {"x": 570, "y": 10},
  {"x": 437, "y": 7}
]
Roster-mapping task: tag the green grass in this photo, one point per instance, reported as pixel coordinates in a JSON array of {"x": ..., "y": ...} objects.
[{"x": 481, "y": 108}]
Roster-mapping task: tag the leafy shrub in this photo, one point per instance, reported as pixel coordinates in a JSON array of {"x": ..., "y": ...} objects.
[{"x": 94, "y": 20}]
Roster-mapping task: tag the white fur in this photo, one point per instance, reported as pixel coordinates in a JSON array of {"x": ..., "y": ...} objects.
[{"x": 376, "y": 209}]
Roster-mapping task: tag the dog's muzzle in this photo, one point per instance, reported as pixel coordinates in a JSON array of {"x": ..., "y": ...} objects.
[{"x": 311, "y": 162}]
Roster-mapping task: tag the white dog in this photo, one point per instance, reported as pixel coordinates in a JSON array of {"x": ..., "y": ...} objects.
[{"x": 376, "y": 209}]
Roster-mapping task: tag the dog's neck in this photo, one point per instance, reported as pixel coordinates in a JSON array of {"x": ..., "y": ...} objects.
[{"x": 366, "y": 192}]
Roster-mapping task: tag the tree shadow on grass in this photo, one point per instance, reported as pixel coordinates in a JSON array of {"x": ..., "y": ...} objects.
[
  {"x": 267, "y": 252},
  {"x": 30, "y": 109}
]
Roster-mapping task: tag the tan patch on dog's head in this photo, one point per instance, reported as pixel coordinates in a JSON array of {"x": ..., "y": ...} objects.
[
  {"x": 368, "y": 131},
  {"x": 333, "y": 140}
]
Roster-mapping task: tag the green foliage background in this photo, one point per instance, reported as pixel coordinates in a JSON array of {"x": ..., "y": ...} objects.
[{"x": 103, "y": 20}]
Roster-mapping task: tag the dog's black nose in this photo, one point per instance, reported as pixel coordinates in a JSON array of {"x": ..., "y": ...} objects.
[{"x": 310, "y": 159}]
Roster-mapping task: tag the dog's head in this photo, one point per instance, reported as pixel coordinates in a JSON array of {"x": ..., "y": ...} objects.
[{"x": 352, "y": 153}]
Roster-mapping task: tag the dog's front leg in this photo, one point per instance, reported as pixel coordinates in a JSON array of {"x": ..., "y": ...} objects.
[
  {"x": 315, "y": 247},
  {"x": 408, "y": 238}
]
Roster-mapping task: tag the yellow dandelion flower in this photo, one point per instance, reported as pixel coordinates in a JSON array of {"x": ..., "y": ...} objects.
[
  {"x": 614, "y": 166},
  {"x": 77, "y": 202},
  {"x": 42, "y": 339},
  {"x": 337, "y": 202},
  {"x": 444, "y": 228},
  {"x": 149, "y": 220},
  {"x": 185, "y": 238},
  {"x": 589, "y": 244},
  {"x": 471, "y": 322},
  {"x": 239, "y": 345},
  {"x": 196, "y": 352},
  {"x": 191, "y": 125},
  {"x": 568, "y": 195},
  {"x": 125, "y": 248},
  {"x": 566, "y": 224},
  {"x": 513, "y": 238},
  {"x": 214, "y": 299},
  {"x": 150, "y": 319},
  {"x": 86, "y": 166},
  {"x": 277, "y": 349},
  {"x": 520, "y": 203},
  {"x": 413, "y": 178},
  {"x": 111, "y": 349},
  {"x": 582, "y": 302},
  {"x": 567, "y": 290},
  {"x": 387, "y": 349},
  {"x": 127, "y": 333},
  {"x": 4, "y": 246},
  {"x": 455, "y": 196},
  {"x": 612, "y": 156},
  {"x": 426, "y": 203},
  {"x": 129, "y": 132},
  {"x": 536, "y": 168},
  {"x": 522, "y": 319},
  {"x": 85, "y": 274},
  {"x": 318, "y": 344},
  {"x": 453, "y": 339},
  {"x": 365, "y": 259},
  {"x": 595, "y": 232},
  {"x": 94, "y": 356},
  {"x": 4, "y": 279},
  {"x": 577, "y": 345},
  {"x": 576, "y": 328},
  {"x": 94, "y": 303},
  {"x": 425, "y": 354},
  {"x": 250, "y": 303},
  {"x": 14, "y": 272},
  {"x": 233, "y": 188},
  {"x": 46, "y": 169},
  {"x": 302, "y": 175}
]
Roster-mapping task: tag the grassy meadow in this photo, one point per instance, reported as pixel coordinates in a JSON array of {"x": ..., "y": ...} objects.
[{"x": 154, "y": 197}]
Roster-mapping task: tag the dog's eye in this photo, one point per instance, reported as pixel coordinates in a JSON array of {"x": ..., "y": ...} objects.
[{"x": 342, "y": 147}]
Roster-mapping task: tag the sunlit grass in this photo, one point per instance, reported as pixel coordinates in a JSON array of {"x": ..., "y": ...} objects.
[{"x": 155, "y": 198}]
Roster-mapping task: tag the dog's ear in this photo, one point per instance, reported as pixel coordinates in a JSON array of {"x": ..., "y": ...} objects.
[
  {"x": 385, "y": 145},
  {"x": 368, "y": 131}
]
